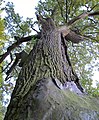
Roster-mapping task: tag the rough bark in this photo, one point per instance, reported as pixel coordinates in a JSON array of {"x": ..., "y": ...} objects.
[
  {"x": 45, "y": 101},
  {"x": 39, "y": 94}
]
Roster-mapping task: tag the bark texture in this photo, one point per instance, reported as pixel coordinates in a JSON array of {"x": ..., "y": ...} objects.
[
  {"x": 38, "y": 94},
  {"x": 45, "y": 101}
]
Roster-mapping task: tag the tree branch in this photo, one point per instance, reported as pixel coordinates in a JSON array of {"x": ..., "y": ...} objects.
[
  {"x": 65, "y": 30},
  {"x": 16, "y": 44},
  {"x": 73, "y": 37},
  {"x": 8, "y": 63},
  {"x": 12, "y": 67},
  {"x": 22, "y": 56},
  {"x": 93, "y": 7},
  {"x": 81, "y": 16}
]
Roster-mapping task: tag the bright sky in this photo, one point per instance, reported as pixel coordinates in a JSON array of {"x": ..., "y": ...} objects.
[{"x": 25, "y": 7}]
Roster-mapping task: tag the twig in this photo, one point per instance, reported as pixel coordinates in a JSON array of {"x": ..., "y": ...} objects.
[{"x": 93, "y": 7}]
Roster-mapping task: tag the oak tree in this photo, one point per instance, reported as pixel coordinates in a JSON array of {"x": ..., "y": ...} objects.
[{"x": 47, "y": 71}]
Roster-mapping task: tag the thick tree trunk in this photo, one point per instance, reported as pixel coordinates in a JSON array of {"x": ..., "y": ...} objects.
[
  {"x": 39, "y": 94},
  {"x": 47, "y": 102}
]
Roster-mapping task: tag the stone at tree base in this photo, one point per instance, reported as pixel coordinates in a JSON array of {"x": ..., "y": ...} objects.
[{"x": 48, "y": 102}]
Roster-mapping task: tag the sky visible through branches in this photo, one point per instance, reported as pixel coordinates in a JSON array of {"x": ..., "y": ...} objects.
[{"x": 26, "y": 8}]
